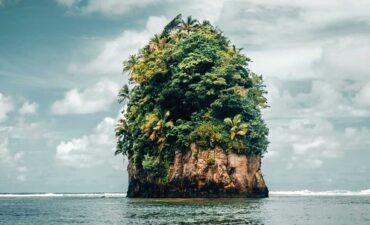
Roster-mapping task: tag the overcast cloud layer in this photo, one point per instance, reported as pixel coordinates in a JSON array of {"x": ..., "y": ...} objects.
[{"x": 60, "y": 70}]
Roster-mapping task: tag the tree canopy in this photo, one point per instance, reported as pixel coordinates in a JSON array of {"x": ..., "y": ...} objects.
[{"x": 189, "y": 84}]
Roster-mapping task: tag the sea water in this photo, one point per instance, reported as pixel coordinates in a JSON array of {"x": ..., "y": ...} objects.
[{"x": 303, "y": 207}]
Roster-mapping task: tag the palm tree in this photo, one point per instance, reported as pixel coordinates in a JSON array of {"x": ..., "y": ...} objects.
[
  {"x": 158, "y": 130},
  {"x": 237, "y": 130},
  {"x": 171, "y": 26},
  {"x": 176, "y": 37},
  {"x": 121, "y": 130},
  {"x": 236, "y": 50},
  {"x": 189, "y": 24},
  {"x": 157, "y": 43},
  {"x": 124, "y": 94},
  {"x": 258, "y": 92},
  {"x": 130, "y": 64}
]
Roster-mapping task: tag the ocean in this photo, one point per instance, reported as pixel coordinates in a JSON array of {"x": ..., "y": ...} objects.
[{"x": 300, "y": 207}]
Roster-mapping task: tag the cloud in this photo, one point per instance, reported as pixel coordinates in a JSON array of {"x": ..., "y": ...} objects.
[
  {"x": 309, "y": 143},
  {"x": 359, "y": 137},
  {"x": 345, "y": 58},
  {"x": 68, "y": 3},
  {"x": 111, "y": 54},
  {"x": 317, "y": 98},
  {"x": 9, "y": 159},
  {"x": 206, "y": 9},
  {"x": 14, "y": 138},
  {"x": 6, "y": 157},
  {"x": 90, "y": 100},
  {"x": 15, "y": 133},
  {"x": 326, "y": 83},
  {"x": 107, "y": 7},
  {"x": 90, "y": 150},
  {"x": 306, "y": 143},
  {"x": 28, "y": 108},
  {"x": 12, "y": 158},
  {"x": 362, "y": 97},
  {"x": 313, "y": 55},
  {"x": 21, "y": 178},
  {"x": 286, "y": 64},
  {"x": 210, "y": 10},
  {"x": 6, "y": 106},
  {"x": 114, "y": 6}
]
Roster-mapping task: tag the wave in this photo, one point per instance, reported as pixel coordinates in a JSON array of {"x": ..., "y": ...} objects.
[
  {"x": 120, "y": 195},
  {"x": 56, "y": 195},
  {"x": 322, "y": 193}
]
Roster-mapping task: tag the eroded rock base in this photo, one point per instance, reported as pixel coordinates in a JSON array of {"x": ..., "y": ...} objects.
[{"x": 197, "y": 173}]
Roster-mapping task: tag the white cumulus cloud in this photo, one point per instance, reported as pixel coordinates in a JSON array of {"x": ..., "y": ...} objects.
[
  {"x": 308, "y": 142},
  {"x": 90, "y": 100},
  {"x": 6, "y": 106},
  {"x": 90, "y": 150},
  {"x": 6, "y": 157},
  {"x": 107, "y": 7},
  {"x": 28, "y": 108},
  {"x": 362, "y": 98},
  {"x": 205, "y": 9},
  {"x": 111, "y": 54},
  {"x": 68, "y": 3}
]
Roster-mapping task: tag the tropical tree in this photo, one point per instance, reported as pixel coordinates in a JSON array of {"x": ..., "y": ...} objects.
[
  {"x": 236, "y": 50},
  {"x": 158, "y": 130},
  {"x": 189, "y": 24},
  {"x": 124, "y": 94},
  {"x": 121, "y": 131},
  {"x": 130, "y": 64},
  {"x": 157, "y": 43},
  {"x": 171, "y": 26},
  {"x": 258, "y": 91},
  {"x": 237, "y": 130}
]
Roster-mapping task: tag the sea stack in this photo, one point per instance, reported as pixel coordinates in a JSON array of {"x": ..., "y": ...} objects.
[{"x": 192, "y": 124}]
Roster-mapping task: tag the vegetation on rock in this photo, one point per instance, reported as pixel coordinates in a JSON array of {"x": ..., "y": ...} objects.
[{"x": 189, "y": 84}]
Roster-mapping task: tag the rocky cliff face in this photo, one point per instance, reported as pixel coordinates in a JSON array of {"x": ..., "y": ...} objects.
[{"x": 197, "y": 173}]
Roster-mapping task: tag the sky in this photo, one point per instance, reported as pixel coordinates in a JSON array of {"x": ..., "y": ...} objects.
[{"x": 61, "y": 68}]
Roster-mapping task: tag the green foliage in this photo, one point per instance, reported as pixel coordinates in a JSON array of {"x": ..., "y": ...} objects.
[
  {"x": 237, "y": 131},
  {"x": 211, "y": 162},
  {"x": 207, "y": 135},
  {"x": 124, "y": 94},
  {"x": 189, "y": 85},
  {"x": 150, "y": 164}
]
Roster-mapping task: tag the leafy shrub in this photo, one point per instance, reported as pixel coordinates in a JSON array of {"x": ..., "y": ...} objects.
[{"x": 150, "y": 164}]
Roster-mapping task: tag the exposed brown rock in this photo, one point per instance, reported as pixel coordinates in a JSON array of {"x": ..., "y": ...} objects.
[{"x": 193, "y": 174}]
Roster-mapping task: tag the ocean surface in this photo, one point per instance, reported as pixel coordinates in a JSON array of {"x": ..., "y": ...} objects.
[{"x": 300, "y": 207}]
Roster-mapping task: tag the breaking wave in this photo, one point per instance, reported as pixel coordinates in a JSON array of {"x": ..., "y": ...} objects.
[
  {"x": 75, "y": 195},
  {"x": 322, "y": 193}
]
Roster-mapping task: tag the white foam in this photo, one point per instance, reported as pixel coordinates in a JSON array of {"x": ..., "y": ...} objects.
[
  {"x": 322, "y": 193},
  {"x": 76, "y": 195}
]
